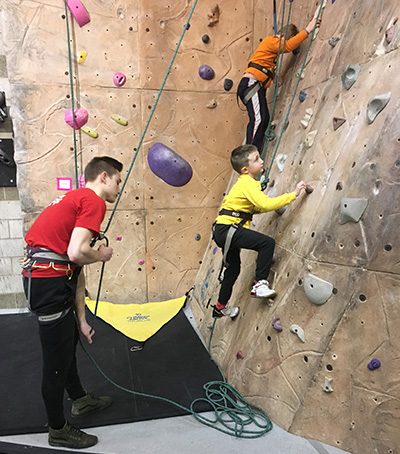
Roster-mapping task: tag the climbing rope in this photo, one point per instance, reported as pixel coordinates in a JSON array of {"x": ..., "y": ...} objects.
[
  {"x": 71, "y": 83},
  {"x": 268, "y": 170}
]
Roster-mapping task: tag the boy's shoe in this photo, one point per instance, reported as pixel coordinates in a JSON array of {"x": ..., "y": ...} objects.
[
  {"x": 227, "y": 312},
  {"x": 89, "y": 403},
  {"x": 71, "y": 437},
  {"x": 261, "y": 290}
]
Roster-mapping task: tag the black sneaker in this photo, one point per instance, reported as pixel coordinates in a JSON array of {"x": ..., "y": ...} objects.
[
  {"x": 226, "y": 311},
  {"x": 71, "y": 437},
  {"x": 89, "y": 403}
]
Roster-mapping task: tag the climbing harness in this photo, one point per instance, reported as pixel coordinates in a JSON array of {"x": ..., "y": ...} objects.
[{"x": 267, "y": 71}]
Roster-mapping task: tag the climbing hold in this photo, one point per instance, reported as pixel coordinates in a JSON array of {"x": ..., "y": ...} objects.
[
  {"x": 239, "y": 355},
  {"x": 295, "y": 329},
  {"x": 300, "y": 74},
  {"x": 119, "y": 79},
  {"x": 187, "y": 26},
  {"x": 280, "y": 211},
  {"x": 317, "y": 290},
  {"x": 280, "y": 161},
  {"x": 309, "y": 189},
  {"x": 334, "y": 40},
  {"x": 197, "y": 237},
  {"x": 120, "y": 120},
  {"x": 78, "y": 11},
  {"x": 206, "y": 72},
  {"x": 82, "y": 56},
  {"x": 205, "y": 39},
  {"x": 213, "y": 16},
  {"x": 309, "y": 140},
  {"x": 350, "y": 75},
  {"x": 168, "y": 165},
  {"x": 333, "y": 1},
  {"x": 351, "y": 210},
  {"x": 212, "y": 104},
  {"x": 302, "y": 96},
  {"x": 179, "y": 219},
  {"x": 307, "y": 117},
  {"x": 206, "y": 284},
  {"x": 296, "y": 51},
  {"x": 90, "y": 132},
  {"x": 228, "y": 84},
  {"x": 376, "y": 105},
  {"x": 81, "y": 117},
  {"x": 276, "y": 324},
  {"x": 215, "y": 250},
  {"x": 374, "y": 364},
  {"x": 141, "y": 262},
  {"x": 81, "y": 181},
  {"x": 118, "y": 238},
  {"x": 390, "y": 34},
  {"x": 338, "y": 122},
  {"x": 327, "y": 385}
]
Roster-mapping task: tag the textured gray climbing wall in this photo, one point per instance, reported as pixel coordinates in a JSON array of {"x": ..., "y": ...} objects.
[
  {"x": 294, "y": 381},
  {"x": 164, "y": 230}
]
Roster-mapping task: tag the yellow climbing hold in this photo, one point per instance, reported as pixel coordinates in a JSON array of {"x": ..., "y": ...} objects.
[
  {"x": 82, "y": 56},
  {"x": 120, "y": 120},
  {"x": 90, "y": 132}
]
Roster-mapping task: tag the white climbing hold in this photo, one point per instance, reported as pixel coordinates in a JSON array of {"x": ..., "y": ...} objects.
[
  {"x": 307, "y": 117},
  {"x": 280, "y": 161},
  {"x": 376, "y": 105},
  {"x": 309, "y": 140},
  {"x": 317, "y": 290},
  {"x": 327, "y": 385},
  {"x": 295, "y": 329}
]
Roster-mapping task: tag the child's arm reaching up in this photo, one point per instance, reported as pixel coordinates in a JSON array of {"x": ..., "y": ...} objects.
[{"x": 301, "y": 185}]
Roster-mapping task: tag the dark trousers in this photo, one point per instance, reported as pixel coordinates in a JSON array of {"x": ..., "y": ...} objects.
[
  {"x": 59, "y": 340},
  {"x": 243, "y": 239},
  {"x": 257, "y": 110}
]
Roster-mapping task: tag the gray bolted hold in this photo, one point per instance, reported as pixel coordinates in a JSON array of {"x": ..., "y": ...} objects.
[
  {"x": 295, "y": 329},
  {"x": 228, "y": 84},
  {"x": 327, "y": 385},
  {"x": 376, "y": 105},
  {"x": 317, "y": 290},
  {"x": 350, "y": 75},
  {"x": 351, "y": 210},
  {"x": 197, "y": 237},
  {"x": 205, "y": 39}
]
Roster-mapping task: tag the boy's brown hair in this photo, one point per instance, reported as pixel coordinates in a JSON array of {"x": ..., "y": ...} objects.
[
  {"x": 102, "y": 164},
  {"x": 292, "y": 30},
  {"x": 240, "y": 156}
]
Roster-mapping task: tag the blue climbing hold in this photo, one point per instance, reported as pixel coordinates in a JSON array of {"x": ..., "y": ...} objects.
[
  {"x": 206, "y": 72},
  {"x": 333, "y": 1},
  {"x": 206, "y": 284},
  {"x": 215, "y": 250},
  {"x": 302, "y": 96},
  {"x": 168, "y": 165},
  {"x": 374, "y": 364}
]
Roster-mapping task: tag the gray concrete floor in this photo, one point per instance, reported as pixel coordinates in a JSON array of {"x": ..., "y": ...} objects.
[{"x": 185, "y": 434}]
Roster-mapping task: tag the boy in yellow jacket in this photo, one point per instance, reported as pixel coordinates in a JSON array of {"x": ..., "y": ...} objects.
[
  {"x": 259, "y": 75},
  {"x": 244, "y": 199}
]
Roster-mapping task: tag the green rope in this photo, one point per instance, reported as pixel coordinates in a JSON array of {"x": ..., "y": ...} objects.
[
  {"x": 71, "y": 82},
  {"x": 268, "y": 170}
]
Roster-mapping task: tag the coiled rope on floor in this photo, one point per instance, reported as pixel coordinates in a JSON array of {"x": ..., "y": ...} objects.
[{"x": 233, "y": 415}]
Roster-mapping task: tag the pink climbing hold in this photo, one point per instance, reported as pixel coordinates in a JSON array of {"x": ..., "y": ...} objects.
[
  {"x": 240, "y": 355},
  {"x": 141, "y": 262},
  {"x": 390, "y": 34},
  {"x": 81, "y": 117},
  {"x": 78, "y": 11},
  {"x": 119, "y": 79},
  {"x": 118, "y": 238},
  {"x": 81, "y": 181}
]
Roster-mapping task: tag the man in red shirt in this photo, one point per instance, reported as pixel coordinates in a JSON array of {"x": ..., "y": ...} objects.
[
  {"x": 259, "y": 75},
  {"x": 58, "y": 245}
]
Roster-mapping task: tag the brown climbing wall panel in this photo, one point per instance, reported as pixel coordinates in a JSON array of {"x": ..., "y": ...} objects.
[{"x": 165, "y": 230}]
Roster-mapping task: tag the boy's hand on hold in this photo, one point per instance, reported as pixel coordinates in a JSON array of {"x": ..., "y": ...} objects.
[
  {"x": 105, "y": 253},
  {"x": 312, "y": 24},
  {"x": 299, "y": 187}
]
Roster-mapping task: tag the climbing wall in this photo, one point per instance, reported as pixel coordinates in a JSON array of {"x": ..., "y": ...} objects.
[
  {"x": 312, "y": 377},
  {"x": 159, "y": 232},
  {"x": 311, "y": 357}
]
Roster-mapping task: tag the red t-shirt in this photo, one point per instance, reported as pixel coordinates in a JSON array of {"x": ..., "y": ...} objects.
[{"x": 53, "y": 228}]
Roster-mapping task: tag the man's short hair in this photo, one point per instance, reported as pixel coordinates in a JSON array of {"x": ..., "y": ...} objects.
[
  {"x": 102, "y": 164},
  {"x": 292, "y": 30},
  {"x": 240, "y": 156}
]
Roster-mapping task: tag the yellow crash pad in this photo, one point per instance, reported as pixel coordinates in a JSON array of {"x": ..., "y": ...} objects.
[{"x": 137, "y": 321}]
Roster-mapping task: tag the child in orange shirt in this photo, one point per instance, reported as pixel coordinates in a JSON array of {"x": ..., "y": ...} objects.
[{"x": 260, "y": 74}]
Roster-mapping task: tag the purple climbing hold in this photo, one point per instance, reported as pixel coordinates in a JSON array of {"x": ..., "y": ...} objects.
[
  {"x": 206, "y": 72},
  {"x": 239, "y": 355},
  {"x": 186, "y": 26},
  {"x": 168, "y": 165},
  {"x": 374, "y": 364},
  {"x": 215, "y": 250},
  {"x": 276, "y": 324}
]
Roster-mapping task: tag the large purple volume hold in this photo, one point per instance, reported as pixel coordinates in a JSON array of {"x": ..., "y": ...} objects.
[{"x": 168, "y": 165}]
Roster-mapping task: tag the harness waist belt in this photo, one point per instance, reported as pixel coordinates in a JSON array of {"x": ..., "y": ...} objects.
[
  {"x": 236, "y": 214},
  {"x": 43, "y": 255},
  {"x": 52, "y": 317},
  {"x": 263, "y": 69}
]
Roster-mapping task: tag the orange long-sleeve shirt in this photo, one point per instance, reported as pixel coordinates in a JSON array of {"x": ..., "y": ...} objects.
[{"x": 268, "y": 50}]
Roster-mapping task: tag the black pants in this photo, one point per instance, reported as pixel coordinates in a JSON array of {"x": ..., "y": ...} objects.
[
  {"x": 257, "y": 110},
  {"x": 59, "y": 340},
  {"x": 243, "y": 239}
]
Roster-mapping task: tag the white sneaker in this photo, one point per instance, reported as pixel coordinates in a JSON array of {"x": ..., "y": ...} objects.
[
  {"x": 230, "y": 312},
  {"x": 262, "y": 290}
]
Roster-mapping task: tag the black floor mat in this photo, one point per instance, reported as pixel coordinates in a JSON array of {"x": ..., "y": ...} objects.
[{"x": 173, "y": 364}]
